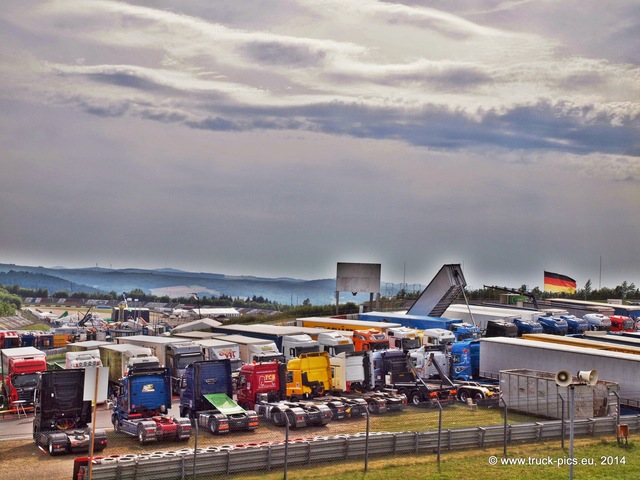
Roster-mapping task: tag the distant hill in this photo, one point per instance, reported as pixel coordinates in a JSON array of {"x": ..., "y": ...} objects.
[{"x": 173, "y": 283}]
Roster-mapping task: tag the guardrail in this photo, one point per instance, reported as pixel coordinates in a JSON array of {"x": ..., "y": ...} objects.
[{"x": 229, "y": 459}]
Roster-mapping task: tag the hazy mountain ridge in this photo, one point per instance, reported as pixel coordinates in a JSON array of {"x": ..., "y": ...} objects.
[{"x": 97, "y": 279}]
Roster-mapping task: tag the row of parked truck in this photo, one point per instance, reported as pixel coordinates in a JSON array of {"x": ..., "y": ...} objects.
[{"x": 311, "y": 389}]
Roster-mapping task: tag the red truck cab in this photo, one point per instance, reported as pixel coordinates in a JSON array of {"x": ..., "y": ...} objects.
[
  {"x": 20, "y": 370},
  {"x": 267, "y": 378},
  {"x": 621, "y": 323}
]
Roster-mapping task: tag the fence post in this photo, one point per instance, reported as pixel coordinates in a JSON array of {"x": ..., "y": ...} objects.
[
  {"x": 439, "y": 429},
  {"x": 366, "y": 441},
  {"x": 286, "y": 444},
  {"x": 506, "y": 412},
  {"x": 563, "y": 427},
  {"x": 195, "y": 444}
]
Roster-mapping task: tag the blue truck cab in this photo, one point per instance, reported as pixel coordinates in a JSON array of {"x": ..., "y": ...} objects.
[
  {"x": 527, "y": 326},
  {"x": 465, "y": 360},
  {"x": 553, "y": 325},
  {"x": 206, "y": 396},
  {"x": 575, "y": 325},
  {"x": 141, "y": 407}
]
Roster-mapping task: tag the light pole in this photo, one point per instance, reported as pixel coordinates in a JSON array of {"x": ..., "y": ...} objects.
[{"x": 565, "y": 379}]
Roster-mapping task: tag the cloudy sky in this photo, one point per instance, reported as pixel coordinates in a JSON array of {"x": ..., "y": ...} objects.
[{"x": 279, "y": 138}]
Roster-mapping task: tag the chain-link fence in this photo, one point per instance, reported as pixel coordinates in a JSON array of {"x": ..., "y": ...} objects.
[{"x": 270, "y": 448}]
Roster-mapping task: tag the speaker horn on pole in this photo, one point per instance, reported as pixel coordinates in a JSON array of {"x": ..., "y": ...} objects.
[
  {"x": 589, "y": 377},
  {"x": 563, "y": 378}
]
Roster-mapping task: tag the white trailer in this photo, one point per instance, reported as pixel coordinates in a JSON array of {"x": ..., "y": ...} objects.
[
  {"x": 120, "y": 357},
  {"x": 173, "y": 352},
  {"x": 221, "y": 348},
  {"x": 291, "y": 341},
  {"x": 86, "y": 345},
  {"x": 83, "y": 359},
  {"x": 500, "y": 353},
  {"x": 255, "y": 349}
]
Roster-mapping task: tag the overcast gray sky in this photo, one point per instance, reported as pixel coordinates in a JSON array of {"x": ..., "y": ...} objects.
[{"x": 279, "y": 138}]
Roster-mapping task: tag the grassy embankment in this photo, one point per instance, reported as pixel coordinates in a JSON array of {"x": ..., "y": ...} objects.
[{"x": 602, "y": 459}]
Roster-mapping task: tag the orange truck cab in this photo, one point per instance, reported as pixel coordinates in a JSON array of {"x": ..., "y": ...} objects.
[{"x": 371, "y": 339}]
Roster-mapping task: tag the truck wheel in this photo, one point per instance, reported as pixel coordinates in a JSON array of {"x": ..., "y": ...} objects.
[
  {"x": 278, "y": 419},
  {"x": 50, "y": 449},
  {"x": 415, "y": 397},
  {"x": 213, "y": 424},
  {"x": 180, "y": 435},
  {"x": 291, "y": 418},
  {"x": 463, "y": 395},
  {"x": 142, "y": 434},
  {"x": 478, "y": 396}
]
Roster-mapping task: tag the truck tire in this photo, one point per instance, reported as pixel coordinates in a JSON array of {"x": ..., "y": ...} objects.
[
  {"x": 50, "y": 449},
  {"x": 415, "y": 397},
  {"x": 142, "y": 435},
  {"x": 463, "y": 395},
  {"x": 291, "y": 418},
  {"x": 478, "y": 396},
  {"x": 180, "y": 435},
  {"x": 213, "y": 424},
  {"x": 278, "y": 418}
]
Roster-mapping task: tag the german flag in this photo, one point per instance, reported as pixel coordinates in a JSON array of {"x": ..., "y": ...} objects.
[{"x": 554, "y": 282}]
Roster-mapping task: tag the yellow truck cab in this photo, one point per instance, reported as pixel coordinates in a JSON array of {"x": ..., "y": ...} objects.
[{"x": 309, "y": 375}]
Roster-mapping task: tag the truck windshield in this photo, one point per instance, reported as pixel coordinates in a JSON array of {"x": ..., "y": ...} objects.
[
  {"x": 301, "y": 350},
  {"x": 343, "y": 348},
  {"x": 466, "y": 336},
  {"x": 183, "y": 361},
  {"x": 25, "y": 380},
  {"x": 379, "y": 345},
  {"x": 269, "y": 358},
  {"x": 410, "y": 343}
]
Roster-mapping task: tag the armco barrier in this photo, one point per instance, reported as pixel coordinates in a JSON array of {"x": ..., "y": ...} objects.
[{"x": 229, "y": 459}]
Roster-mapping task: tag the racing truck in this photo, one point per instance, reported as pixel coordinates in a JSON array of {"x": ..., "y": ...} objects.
[
  {"x": 297, "y": 414},
  {"x": 62, "y": 417},
  {"x": 263, "y": 387},
  {"x": 206, "y": 396},
  {"x": 477, "y": 391},
  {"x": 142, "y": 402}
]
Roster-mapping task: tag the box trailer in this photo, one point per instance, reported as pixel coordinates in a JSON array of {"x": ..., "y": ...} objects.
[
  {"x": 536, "y": 392},
  {"x": 497, "y": 354}
]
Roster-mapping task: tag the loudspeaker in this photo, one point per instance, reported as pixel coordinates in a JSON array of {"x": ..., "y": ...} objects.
[
  {"x": 588, "y": 376},
  {"x": 563, "y": 378}
]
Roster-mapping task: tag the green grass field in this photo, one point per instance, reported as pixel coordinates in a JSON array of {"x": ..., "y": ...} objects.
[{"x": 597, "y": 458}]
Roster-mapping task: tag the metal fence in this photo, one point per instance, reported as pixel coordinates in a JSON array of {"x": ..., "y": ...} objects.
[{"x": 229, "y": 459}]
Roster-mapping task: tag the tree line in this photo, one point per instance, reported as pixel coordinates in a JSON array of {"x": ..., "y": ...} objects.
[{"x": 11, "y": 298}]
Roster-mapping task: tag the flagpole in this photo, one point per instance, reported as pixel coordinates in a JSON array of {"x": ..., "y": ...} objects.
[{"x": 600, "y": 277}]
